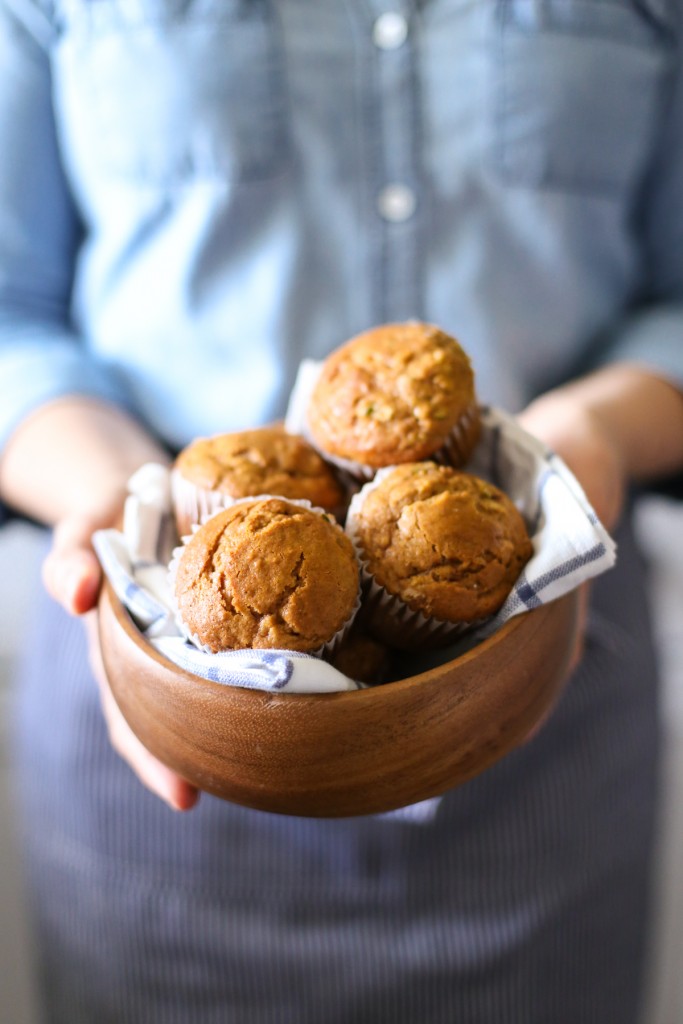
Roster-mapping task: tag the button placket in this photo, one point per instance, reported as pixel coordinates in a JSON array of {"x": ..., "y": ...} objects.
[{"x": 396, "y": 198}]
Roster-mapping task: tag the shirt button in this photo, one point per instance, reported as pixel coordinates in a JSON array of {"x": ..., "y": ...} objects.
[
  {"x": 390, "y": 31},
  {"x": 396, "y": 203}
]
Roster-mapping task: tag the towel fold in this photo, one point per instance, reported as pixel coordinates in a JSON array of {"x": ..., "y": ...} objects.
[{"x": 570, "y": 547}]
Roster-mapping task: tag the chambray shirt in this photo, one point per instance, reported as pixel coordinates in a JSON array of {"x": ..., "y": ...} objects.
[{"x": 195, "y": 194}]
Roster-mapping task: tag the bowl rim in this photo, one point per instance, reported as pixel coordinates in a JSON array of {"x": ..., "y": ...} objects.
[
  {"x": 501, "y": 635},
  {"x": 475, "y": 714}
]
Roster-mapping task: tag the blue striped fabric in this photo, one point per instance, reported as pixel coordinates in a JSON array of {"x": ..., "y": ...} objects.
[
  {"x": 522, "y": 899},
  {"x": 570, "y": 547}
]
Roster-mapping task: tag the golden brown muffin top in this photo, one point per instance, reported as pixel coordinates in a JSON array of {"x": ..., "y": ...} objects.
[
  {"x": 447, "y": 543},
  {"x": 266, "y": 460},
  {"x": 267, "y": 573},
  {"x": 392, "y": 394}
]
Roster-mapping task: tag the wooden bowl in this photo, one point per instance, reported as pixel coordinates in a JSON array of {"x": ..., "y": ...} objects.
[{"x": 341, "y": 754}]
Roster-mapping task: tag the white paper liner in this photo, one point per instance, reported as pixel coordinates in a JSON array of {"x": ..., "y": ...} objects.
[
  {"x": 193, "y": 504},
  {"x": 327, "y": 649},
  {"x": 453, "y": 452},
  {"x": 458, "y": 446}
]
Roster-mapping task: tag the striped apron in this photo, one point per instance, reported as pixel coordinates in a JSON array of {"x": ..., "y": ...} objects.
[{"x": 524, "y": 899}]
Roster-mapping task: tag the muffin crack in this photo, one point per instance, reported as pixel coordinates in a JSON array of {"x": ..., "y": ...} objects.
[
  {"x": 444, "y": 542},
  {"x": 267, "y": 574},
  {"x": 209, "y": 563},
  {"x": 297, "y": 578}
]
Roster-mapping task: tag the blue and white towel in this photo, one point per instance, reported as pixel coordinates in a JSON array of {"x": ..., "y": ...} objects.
[
  {"x": 570, "y": 543},
  {"x": 570, "y": 547}
]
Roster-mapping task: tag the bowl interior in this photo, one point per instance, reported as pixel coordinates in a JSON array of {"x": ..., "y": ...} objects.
[{"x": 342, "y": 754}]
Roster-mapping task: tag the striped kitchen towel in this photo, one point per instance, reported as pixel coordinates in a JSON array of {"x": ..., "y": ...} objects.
[{"x": 570, "y": 547}]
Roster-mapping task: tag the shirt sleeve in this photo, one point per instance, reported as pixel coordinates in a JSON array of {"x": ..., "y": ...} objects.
[
  {"x": 41, "y": 356},
  {"x": 652, "y": 333}
]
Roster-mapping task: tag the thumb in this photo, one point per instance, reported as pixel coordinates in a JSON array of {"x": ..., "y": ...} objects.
[{"x": 71, "y": 571}]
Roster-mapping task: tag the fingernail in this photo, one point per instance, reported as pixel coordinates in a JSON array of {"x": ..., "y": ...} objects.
[{"x": 76, "y": 580}]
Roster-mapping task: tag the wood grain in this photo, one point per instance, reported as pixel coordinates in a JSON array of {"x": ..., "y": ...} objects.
[{"x": 341, "y": 754}]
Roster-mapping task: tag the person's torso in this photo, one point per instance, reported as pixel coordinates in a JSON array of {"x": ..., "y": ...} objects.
[{"x": 260, "y": 180}]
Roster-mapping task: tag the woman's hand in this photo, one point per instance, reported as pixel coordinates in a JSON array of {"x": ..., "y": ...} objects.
[
  {"x": 156, "y": 776},
  {"x": 68, "y": 465},
  {"x": 578, "y": 435},
  {"x": 616, "y": 426},
  {"x": 72, "y": 575}
]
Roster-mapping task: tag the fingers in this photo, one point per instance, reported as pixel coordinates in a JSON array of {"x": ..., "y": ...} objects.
[
  {"x": 579, "y": 438},
  {"x": 175, "y": 791},
  {"x": 72, "y": 575},
  {"x": 73, "y": 579},
  {"x": 582, "y": 621},
  {"x": 575, "y": 656},
  {"x": 157, "y": 777},
  {"x": 71, "y": 572}
]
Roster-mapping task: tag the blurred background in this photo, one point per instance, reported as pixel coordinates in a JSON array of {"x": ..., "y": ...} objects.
[
  {"x": 660, "y": 527},
  {"x": 19, "y": 545}
]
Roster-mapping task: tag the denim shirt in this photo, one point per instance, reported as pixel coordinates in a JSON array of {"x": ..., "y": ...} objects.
[{"x": 195, "y": 194}]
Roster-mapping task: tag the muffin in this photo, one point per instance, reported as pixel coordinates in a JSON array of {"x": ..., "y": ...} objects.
[
  {"x": 397, "y": 393},
  {"x": 212, "y": 472},
  {"x": 441, "y": 548},
  {"x": 266, "y": 573},
  {"x": 362, "y": 658}
]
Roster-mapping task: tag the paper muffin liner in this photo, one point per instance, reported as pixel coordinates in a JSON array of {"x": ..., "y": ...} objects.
[
  {"x": 387, "y": 615},
  {"x": 327, "y": 649},
  {"x": 455, "y": 450},
  {"x": 192, "y": 504},
  {"x": 461, "y": 441}
]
